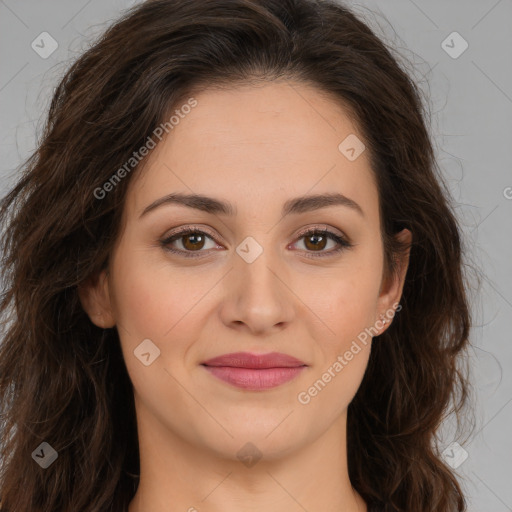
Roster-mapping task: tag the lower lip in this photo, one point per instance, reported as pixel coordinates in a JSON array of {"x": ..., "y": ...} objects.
[{"x": 255, "y": 379}]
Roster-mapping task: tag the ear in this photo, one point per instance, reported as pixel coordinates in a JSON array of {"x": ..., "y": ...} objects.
[
  {"x": 95, "y": 298},
  {"x": 391, "y": 288}
]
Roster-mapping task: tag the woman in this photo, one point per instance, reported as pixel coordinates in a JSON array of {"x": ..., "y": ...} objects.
[{"x": 306, "y": 359}]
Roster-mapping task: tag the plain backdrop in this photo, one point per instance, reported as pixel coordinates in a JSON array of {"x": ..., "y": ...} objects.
[{"x": 461, "y": 55}]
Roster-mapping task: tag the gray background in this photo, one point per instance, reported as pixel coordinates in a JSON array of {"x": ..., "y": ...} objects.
[{"x": 470, "y": 99}]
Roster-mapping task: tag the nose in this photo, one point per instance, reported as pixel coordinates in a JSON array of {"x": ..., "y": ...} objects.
[{"x": 257, "y": 298}]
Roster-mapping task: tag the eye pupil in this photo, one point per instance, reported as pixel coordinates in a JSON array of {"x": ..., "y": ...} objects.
[
  {"x": 318, "y": 238},
  {"x": 199, "y": 239}
]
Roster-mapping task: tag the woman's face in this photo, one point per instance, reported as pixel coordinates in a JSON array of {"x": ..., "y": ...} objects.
[{"x": 249, "y": 279}]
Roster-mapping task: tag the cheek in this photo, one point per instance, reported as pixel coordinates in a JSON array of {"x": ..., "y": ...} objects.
[
  {"x": 155, "y": 300},
  {"x": 347, "y": 308},
  {"x": 150, "y": 296},
  {"x": 151, "y": 303},
  {"x": 348, "y": 302},
  {"x": 142, "y": 305}
]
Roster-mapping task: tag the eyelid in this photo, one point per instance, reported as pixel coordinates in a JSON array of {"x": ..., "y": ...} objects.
[
  {"x": 182, "y": 231},
  {"x": 322, "y": 227},
  {"x": 302, "y": 232},
  {"x": 332, "y": 233},
  {"x": 343, "y": 241}
]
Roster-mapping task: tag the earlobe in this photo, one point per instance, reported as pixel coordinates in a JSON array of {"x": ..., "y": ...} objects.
[{"x": 95, "y": 299}]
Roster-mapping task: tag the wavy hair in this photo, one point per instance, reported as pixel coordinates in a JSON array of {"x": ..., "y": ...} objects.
[{"x": 63, "y": 380}]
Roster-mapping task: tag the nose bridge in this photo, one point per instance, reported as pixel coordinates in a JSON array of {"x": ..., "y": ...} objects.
[
  {"x": 261, "y": 299},
  {"x": 256, "y": 267}
]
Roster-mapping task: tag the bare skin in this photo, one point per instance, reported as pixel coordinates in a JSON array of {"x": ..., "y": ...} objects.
[{"x": 256, "y": 148}]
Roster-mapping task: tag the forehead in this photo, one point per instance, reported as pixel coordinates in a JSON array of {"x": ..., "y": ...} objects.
[{"x": 258, "y": 145}]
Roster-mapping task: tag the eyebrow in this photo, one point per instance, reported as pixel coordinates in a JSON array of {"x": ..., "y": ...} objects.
[{"x": 217, "y": 207}]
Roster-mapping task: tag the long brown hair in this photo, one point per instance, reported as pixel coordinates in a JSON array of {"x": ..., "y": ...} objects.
[{"x": 63, "y": 380}]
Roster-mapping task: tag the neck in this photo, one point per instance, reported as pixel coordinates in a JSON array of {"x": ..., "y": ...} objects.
[{"x": 179, "y": 476}]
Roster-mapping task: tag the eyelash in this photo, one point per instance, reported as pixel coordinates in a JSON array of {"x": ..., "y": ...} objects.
[{"x": 343, "y": 243}]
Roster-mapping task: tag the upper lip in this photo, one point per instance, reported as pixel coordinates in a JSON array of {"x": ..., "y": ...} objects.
[{"x": 257, "y": 361}]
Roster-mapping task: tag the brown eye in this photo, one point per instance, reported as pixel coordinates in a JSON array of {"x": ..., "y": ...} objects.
[
  {"x": 316, "y": 241},
  {"x": 193, "y": 241}
]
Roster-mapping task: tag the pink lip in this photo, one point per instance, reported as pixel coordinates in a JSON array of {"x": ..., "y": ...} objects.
[{"x": 255, "y": 371}]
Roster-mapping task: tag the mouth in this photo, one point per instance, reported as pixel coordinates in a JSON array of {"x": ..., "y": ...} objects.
[{"x": 255, "y": 371}]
